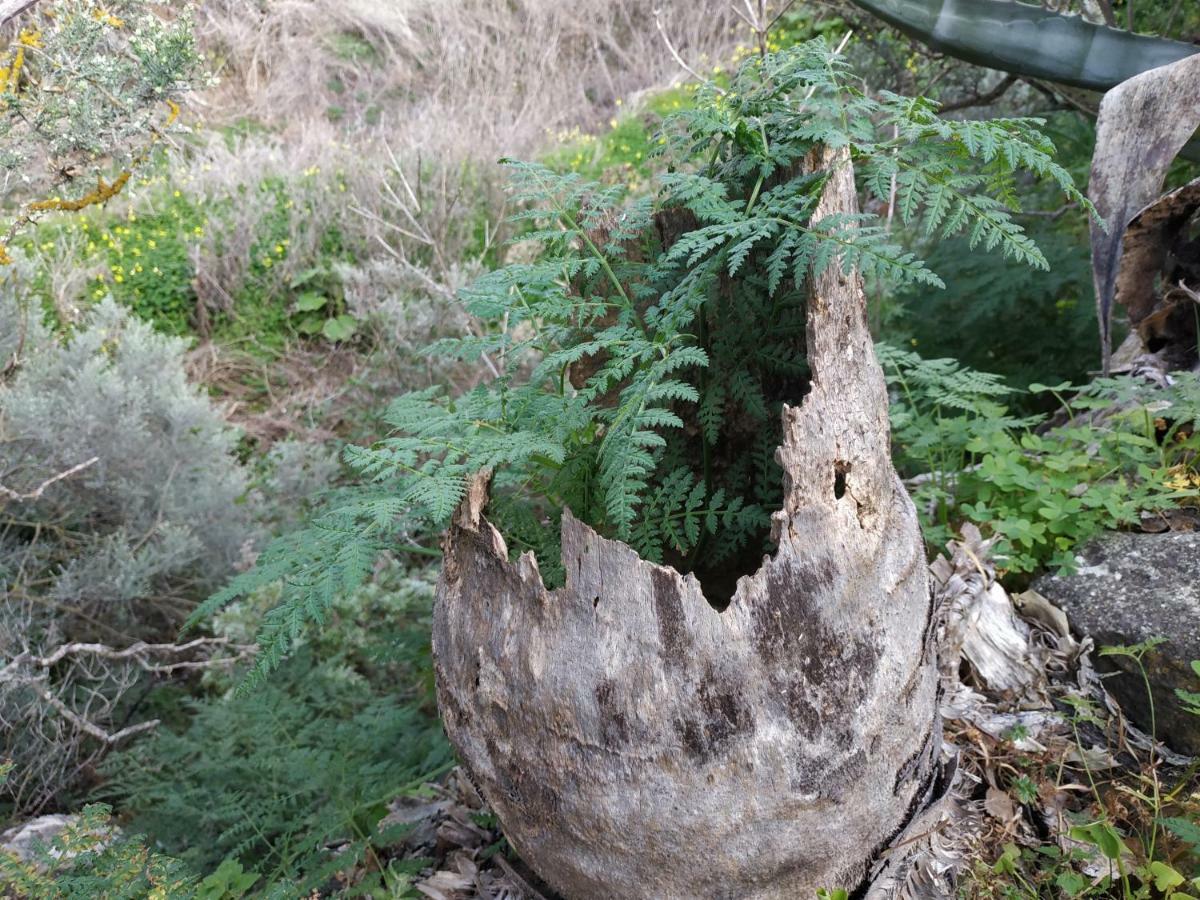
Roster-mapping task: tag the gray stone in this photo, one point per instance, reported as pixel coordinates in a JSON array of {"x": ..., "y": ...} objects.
[
  {"x": 24, "y": 839},
  {"x": 20, "y": 840},
  {"x": 1130, "y": 587}
]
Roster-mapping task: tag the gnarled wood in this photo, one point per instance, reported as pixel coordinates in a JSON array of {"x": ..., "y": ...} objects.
[{"x": 636, "y": 743}]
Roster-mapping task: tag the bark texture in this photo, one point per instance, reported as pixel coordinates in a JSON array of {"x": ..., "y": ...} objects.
[
  {"x": 1144, "y": 123},
  {"x": 636, "y": 743}
]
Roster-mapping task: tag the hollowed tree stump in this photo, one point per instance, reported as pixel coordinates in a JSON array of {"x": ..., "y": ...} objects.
[{"x": 636, "y": 743}]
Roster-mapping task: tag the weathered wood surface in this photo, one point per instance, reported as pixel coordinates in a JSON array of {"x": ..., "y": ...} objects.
[
  {"x": 1143, "y": 124},
  {"x": 636, "y": 743}
]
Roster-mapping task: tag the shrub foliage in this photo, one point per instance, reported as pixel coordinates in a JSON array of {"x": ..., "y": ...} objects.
[{"x": 643, "y": 356}]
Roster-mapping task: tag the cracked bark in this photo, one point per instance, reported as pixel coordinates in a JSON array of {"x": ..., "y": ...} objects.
[{"x": 636, "y": 743}]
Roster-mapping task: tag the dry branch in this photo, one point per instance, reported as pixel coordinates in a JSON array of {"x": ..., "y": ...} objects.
[
  {"x": 91, "y": 728},
  {"x": 980, "y": 99},
  {"x": 36, "y": 493},
  {"x": 675, "y": 53},
  {"x": 139, "y": 653},
  {"x": 31, "y": 671}
]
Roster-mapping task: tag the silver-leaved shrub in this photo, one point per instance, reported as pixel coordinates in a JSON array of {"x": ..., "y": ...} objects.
[{"x": 116, "y": 551}]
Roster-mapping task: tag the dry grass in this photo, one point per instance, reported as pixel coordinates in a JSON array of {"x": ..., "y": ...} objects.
[
  {"x": 233, "y": 170},
  {"x": 451, "y": 79},
  {"x": 294, "y": 396},
  {"x": 401, "y": 108}
]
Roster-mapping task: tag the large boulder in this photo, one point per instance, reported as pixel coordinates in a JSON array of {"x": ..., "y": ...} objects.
[{"x": 1130, "y": 587}]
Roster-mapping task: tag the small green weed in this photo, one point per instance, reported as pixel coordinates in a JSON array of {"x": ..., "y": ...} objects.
[
  {"x": 162, "y": 259},
  {"x": 1042, "y": 491},
  {"x": 318, "y": 311},
  {"x": 1134, "y": 836}
]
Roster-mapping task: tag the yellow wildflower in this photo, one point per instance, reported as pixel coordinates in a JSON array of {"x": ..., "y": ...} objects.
[{"x": 107, "y": 18}]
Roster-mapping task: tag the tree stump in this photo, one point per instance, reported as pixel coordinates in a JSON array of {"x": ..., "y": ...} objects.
[{"x": 634, "y": 742}]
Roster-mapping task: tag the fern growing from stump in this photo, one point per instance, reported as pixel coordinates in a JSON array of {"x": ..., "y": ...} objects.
[{"x": 644, "y": 355}]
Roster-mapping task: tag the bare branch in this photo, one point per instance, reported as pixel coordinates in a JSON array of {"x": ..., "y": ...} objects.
[
  {"x": 782, "y": 12},
  {"x": 983, "y": 99},
  {"x": 1050, "y": 214},
  {"x": 675, "y": 53},
  {"x": 139, "y": 653},
  {"x": 92, "y": 728},
  {"x": 37, "y": 492}
]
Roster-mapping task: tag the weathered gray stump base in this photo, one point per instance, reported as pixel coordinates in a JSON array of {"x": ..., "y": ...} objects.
[{"x": 636, "y": 743}]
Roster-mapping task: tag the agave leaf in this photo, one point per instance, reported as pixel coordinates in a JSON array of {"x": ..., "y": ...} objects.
[{"x": 1029, "y": 41}]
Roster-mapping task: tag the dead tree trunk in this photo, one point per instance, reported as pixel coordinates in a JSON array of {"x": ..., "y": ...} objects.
[
  {"x": 636, "y": 743},
  {"x": 1146, "y": 258}
]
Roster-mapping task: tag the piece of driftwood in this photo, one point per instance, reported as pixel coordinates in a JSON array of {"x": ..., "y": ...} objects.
[{"x": 634, "y": 742}]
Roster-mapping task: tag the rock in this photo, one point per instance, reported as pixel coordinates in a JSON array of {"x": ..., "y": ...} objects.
[
  {"x": 23, "y": 840},
  {"x": 1131, "y": 587},
  {"x": 20, "y": 840}
]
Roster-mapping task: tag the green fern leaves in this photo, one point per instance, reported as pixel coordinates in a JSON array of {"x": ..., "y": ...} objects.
[{"x": 637, "y": 366}]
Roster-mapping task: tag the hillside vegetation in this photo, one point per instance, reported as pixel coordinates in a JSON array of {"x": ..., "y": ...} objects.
[{"x": 386, "y": 245}]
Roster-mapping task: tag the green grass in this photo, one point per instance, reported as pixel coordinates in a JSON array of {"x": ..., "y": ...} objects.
[{"x": 145, "y": 259}]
